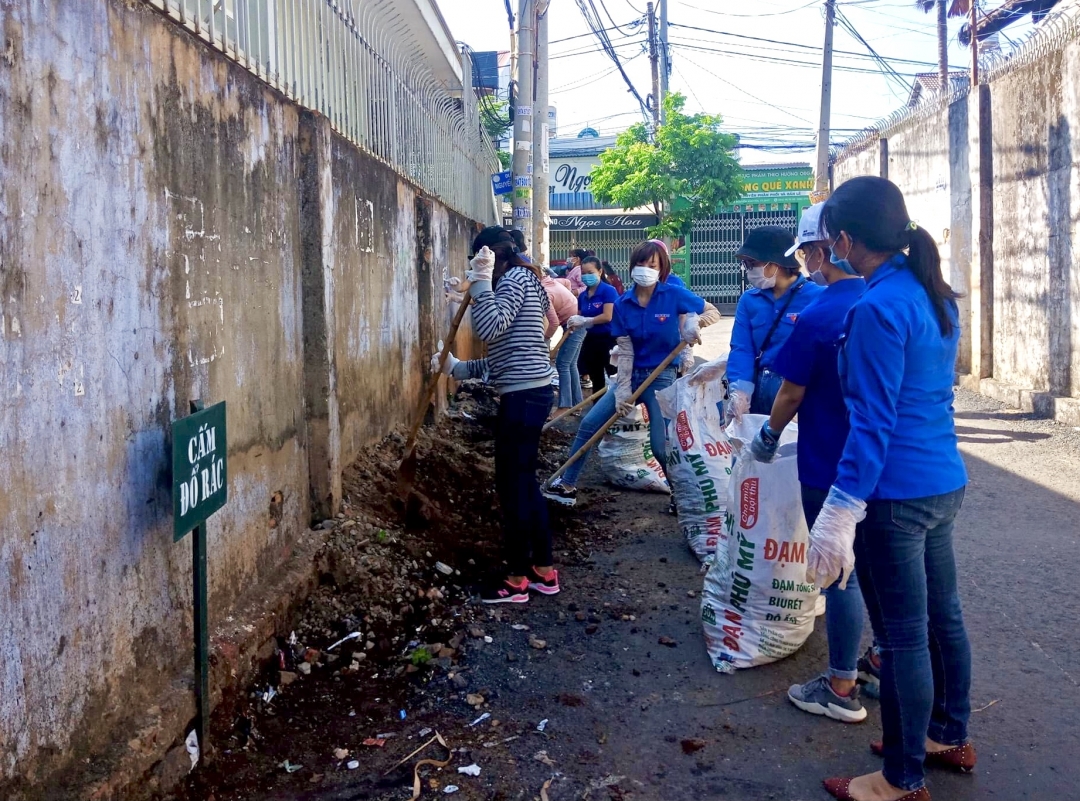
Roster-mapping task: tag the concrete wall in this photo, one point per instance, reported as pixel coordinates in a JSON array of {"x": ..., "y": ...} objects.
[
  {"x": 170, "y": 229},
  {"x": 995, "y": 177}
]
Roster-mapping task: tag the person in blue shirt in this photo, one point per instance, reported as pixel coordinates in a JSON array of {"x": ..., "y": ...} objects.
[
  {"x": 808, "y": 364},
  {"x": 596, "y": 307},
  {"x": 902, "y": 476},
  {"x": 764, "y": 320},
  {"x": 650, "y": 320}
]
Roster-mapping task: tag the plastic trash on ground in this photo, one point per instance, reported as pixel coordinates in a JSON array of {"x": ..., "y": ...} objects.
[
  {"x": 757, "y": 606},
  {"x": 699, "y": 462},
  {"x": 626, "y": 455}
]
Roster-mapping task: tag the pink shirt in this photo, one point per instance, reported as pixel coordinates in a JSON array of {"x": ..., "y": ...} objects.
[{"x": 563, "y": 303}]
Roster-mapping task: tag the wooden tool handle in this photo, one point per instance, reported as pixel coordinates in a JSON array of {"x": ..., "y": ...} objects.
[
  {"x": 429, "y": 393},
  {"x": 584, "y": 449},
  {"x": 581, "y": 405}
]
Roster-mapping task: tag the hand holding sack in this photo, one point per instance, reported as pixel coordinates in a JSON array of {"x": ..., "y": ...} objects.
[
  {"x": 708, "y": 372},
  {"x": 831, "y": 555},
  {"x": 446, "y": 367},
  {"x": 764, "y": 446},
  {"x": 482, "y": 264},
  {"x": 738, "y": 402}
]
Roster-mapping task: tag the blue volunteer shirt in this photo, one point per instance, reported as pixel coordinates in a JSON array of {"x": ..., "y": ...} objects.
[
  {"x": 754, "y": 317},
  {"x": 594, "y": 306},
  {"x": 674, "y": 280},
  {"x": 809, "y": 359},
  {"x": 897, "y": 370},
  {"x": 654, "y": 330}
]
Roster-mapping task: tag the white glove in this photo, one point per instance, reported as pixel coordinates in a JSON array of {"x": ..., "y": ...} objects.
[
  {"x": 831, "y": 554},
  {"x": 686, "y": 361},
  {"x": 483, "y": 265},
  {"x": 447, "y": 367},
  {"x": 577, "y": 321},
  {"x": 691, "y": 330},
  {"x": 453, "y": 293},
  {"x": 708, "y": 372},
  {"x": 738, "y": 402},
  {"x": 623, "y": 391}
]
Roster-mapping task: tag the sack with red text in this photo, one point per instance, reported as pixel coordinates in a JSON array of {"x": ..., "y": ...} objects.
[
  {"x": 626, "y": 455},
  {"x": 698, "y": 463},
  {"x": 757, "y": 605}
]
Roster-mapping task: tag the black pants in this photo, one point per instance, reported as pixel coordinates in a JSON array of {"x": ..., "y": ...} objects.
[
  {"x": 526, "y": 535},
  {"x": 595, "y": 357}
]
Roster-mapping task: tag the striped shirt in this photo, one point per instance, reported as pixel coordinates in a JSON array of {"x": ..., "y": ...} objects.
[{"x": 511, "y": 320}]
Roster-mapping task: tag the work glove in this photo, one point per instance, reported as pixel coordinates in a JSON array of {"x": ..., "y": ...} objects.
[
  {"x": 738, "y": 402},
  {"x": 831, "y": 555},
  {"x": 453, "y": 292},
  {"x": 708, "y": 372},
  {"x": 686, "y": 361},
  {"x": 483, "y": 266},
  {"x": 691, "y": 329},
  {"x": 763, "y": 448},
  {"x": 447, "y": 367},
  {"x": 623, "y": 390},
  {"x": 577, "y": 321}
]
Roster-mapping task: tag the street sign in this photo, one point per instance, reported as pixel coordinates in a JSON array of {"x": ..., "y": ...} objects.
[
  {"x": 200, "y": 487},
  {"x": 502, "y": 182},
  {"x": 200, "y": 468}
]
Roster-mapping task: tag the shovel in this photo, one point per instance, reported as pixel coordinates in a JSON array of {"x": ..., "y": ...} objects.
[
  {"x": 581, "y": 405},
  {"x": 406, "y": 476},
  {"x": 599, "y": 435},
  {"x": 560, "y": 343}
]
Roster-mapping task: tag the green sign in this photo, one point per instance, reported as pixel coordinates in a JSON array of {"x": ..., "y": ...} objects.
[
  {"x": 777, "y": 183},
  {"x": 200, "y": 468}
]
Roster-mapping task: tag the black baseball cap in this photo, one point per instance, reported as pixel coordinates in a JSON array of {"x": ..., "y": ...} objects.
[{"x": 769, "y": 243}]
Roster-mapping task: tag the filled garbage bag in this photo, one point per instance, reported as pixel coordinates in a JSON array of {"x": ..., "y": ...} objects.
[
  {"x": 698, "y": 463},
  {"x": 757, "y": 605},
  {"x": 626, "y": 456}
]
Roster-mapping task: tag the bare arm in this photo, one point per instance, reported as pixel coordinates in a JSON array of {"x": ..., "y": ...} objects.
[{"x": 787, "y": 403}]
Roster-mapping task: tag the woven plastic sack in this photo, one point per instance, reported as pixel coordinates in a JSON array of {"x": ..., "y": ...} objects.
[{"x": 626, "y": 455}]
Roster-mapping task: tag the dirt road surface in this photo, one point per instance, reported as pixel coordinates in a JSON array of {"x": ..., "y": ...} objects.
[{"x": 630, "y": 718}]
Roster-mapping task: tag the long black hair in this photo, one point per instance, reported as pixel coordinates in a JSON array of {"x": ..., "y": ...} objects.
[
  {"x": 500, "y": 241},
  {"x": 872, "y": 211}
]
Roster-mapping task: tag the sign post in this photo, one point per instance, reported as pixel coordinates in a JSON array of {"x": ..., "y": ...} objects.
[{"x": 200, "y": 488}]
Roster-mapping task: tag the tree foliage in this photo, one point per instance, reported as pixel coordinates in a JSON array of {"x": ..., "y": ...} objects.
[{"x": 689, "y": 158}]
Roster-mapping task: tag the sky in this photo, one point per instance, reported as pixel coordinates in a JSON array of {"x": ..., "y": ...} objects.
[{"x": 766, "y": 88}]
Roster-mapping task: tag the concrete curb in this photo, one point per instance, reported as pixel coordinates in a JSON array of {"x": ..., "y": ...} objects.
[{"x": 1041, "y": 404}]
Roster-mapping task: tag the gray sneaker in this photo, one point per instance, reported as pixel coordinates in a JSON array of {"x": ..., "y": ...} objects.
[{"x": 817, "y": 698}]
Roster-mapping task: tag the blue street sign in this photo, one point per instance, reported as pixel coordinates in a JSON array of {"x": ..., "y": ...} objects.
[{"x": 502, "y": 183}]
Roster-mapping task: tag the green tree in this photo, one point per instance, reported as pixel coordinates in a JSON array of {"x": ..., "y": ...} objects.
[
  {"x": 495, "y": 117},
  {"x": 690, "y": 159}
]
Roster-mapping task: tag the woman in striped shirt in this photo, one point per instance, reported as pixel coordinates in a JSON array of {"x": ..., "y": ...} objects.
[{"x": 509, "y": 313}]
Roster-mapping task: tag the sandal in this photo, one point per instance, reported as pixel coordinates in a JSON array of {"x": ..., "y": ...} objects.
[
  {"x": 958, "y": 759},
  {"x": 838, "y": 789}
]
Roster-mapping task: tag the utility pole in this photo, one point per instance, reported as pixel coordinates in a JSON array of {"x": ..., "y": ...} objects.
[
  {"x": 821, "y": 170},
  {"x": 540, "y": 141},
  {"x": 665, "y": 59},
  {"x": 943, "y": 47},
  {"x": 523, "y": 119},
  {"x": 974, "y": 45},
  {"x": 655, "y": 60}
]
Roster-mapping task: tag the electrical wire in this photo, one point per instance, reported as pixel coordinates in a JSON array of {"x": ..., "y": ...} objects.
[
  {"x": 752, "y": 16},
  {"x": 592, "y": 19},
  {"x": 886, "y": 68},
  {"x": 753, "y": 97}
]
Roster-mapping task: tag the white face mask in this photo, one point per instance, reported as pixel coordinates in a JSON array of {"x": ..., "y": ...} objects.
[
  {"x": 645, "y": 276},
  {"x": 757, "y": 278}
]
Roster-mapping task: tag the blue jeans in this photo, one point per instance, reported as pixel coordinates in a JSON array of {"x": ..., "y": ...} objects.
[
  {"x": 526, "y": 534},
  {"x": 604, "y": 408},
  {"x": 768, "y": 384},
  {"x": 566, "y": 364},
  {"x": 843, "y": 609},
  {"x": 907, "y": 570}
]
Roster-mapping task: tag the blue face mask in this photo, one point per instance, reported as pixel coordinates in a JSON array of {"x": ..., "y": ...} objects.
[
  {"x": 590, "y": 279},
  {"x": 843, "y": 264}
]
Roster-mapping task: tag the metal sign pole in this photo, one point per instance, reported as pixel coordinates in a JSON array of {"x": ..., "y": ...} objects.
[{"x": 202, "y": 634}]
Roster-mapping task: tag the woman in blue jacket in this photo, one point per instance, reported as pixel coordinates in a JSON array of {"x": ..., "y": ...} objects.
[
  {"x": 901, "y": 471},
  {"x": 764, "y": 319}
]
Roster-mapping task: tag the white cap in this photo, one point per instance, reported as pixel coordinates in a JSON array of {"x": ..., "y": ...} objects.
[{"x": 809, "y": 228}]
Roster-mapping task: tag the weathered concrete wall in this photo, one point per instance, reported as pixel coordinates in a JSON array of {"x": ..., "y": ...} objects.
[
  {"x": 159, "y": 242},
  {"x": 996, "y": 178}
]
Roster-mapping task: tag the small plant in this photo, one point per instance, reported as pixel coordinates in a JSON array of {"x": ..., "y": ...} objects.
[
  {"x": 420, "y": 657},
  {"x": 382, "y": 536}
]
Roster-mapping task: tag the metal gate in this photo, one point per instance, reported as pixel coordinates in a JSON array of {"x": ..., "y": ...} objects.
[
  {"x": 610, "y": 245},
  {"x": 714, "y": 273}
]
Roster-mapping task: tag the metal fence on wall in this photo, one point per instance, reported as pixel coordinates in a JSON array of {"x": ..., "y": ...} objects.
[
  {"x": 356, "y": 63},
  {"x": 714, "y": 273}
]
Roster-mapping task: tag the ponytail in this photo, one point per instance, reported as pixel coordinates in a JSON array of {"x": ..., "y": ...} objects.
[
  {"x": 924, "y": 261},
  {"x": 872, "y": 211}
]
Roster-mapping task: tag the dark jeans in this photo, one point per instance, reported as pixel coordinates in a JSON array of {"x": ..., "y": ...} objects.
[
  {"x": 526, "y": 535},
  {"x": 907, "y": 571},
  {"x": 595, "y": 357},
  {"x": 843, "y": 609}
]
